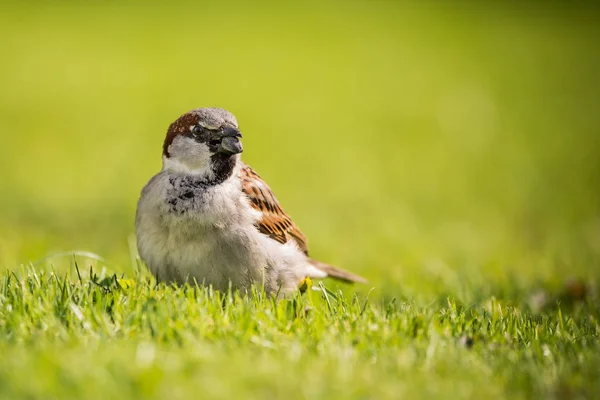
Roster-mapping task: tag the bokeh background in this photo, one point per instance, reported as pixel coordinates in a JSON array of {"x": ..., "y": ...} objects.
[{"x": 433, "y": 148}]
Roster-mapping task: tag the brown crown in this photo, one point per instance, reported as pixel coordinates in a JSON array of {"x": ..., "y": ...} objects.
[{"x": 179, "y": 127}]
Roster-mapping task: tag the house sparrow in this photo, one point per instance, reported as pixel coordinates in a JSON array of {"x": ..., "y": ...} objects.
[{"x": 208, "y": 217}]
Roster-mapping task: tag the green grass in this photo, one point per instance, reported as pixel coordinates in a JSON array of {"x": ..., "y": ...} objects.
[
  {"x": 99, "y": 337},
  {"x": 450, "y": 155}
]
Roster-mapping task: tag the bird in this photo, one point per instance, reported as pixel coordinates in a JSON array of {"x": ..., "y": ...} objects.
[{"x": 210, "y": 219}]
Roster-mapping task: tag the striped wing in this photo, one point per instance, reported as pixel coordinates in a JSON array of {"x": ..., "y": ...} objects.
[{"x": 274, "y": 222}]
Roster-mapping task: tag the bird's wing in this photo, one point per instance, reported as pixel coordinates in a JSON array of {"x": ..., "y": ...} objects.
[
  {"x": 279, "y": 226},
  {"x": 274, "y": 221}
]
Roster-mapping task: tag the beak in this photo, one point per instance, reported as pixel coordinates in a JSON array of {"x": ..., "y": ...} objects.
[
  {"x": 230, "y": 143},
  {"x": 230, "y": 132}
]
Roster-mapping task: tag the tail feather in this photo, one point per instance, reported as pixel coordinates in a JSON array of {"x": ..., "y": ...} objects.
[{"x": 337, "y": 273}]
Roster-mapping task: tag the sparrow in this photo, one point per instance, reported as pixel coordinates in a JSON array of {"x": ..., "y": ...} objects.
[{"x": 208, "y": 218}]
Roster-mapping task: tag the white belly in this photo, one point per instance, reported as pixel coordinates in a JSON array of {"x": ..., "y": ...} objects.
[
  {"x": 211, "y": 256},
  {"x": 217, "y": 244}
]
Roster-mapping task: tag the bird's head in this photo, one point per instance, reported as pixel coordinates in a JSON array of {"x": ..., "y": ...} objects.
[{"x": 204, "y": 141}]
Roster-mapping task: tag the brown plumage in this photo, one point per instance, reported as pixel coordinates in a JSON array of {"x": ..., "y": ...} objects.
[{"x": 276, "y": 224}]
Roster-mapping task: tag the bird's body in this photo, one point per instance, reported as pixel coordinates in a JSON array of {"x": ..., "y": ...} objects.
[
  {"x": 207, "y": 217},
  {"x": 189, "y": 231}
]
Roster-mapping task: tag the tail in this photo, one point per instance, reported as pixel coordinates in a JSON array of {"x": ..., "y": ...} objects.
[{"x": 336, "y": 273}]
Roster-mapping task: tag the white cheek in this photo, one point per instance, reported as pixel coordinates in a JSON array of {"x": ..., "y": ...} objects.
[{"x": 187, "y": 156}]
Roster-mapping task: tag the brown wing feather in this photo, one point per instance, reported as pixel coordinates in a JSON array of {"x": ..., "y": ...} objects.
[
  {"x": 279, "y": 226},
  {"x": 275, "y": 222}
]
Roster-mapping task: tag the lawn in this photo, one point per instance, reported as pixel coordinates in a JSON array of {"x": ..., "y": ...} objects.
[{"x": 449, "y": 155}]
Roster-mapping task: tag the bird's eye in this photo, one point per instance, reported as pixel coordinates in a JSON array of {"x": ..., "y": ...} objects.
[{"x": 196, "y": 130}]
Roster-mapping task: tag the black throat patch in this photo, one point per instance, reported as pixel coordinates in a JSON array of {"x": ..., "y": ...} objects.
[
  {"x": 187, "y": 192},
  {"x": 222, "y": 166}
]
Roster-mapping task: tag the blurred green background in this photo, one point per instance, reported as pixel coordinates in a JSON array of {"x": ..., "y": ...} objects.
[{"x": 430, "y": 148}]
